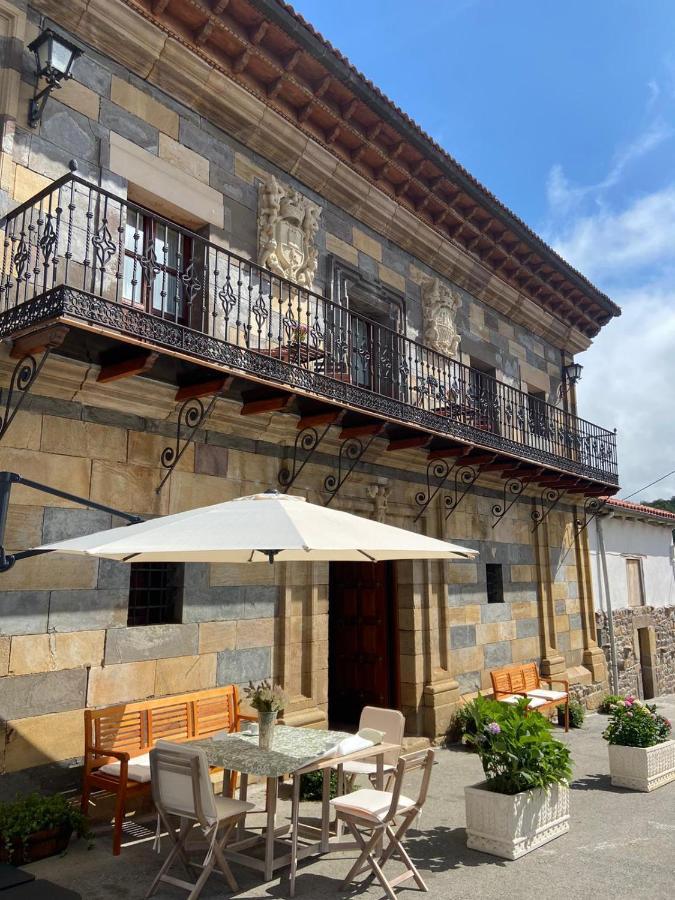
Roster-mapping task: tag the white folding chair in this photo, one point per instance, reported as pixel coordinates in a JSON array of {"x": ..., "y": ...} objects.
[
  {"x": 392, "y": 723},
  {"x": 370, "y": 815},
  {"x": 182, "y": 789}
]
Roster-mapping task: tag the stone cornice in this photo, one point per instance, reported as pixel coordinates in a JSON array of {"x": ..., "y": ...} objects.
[{"x": 185, "y": 72}]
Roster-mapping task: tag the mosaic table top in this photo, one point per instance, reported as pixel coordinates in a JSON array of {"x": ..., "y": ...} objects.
[{"x": 292, "y": 749}]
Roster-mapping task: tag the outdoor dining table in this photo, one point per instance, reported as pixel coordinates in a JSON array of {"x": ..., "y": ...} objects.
[{"x": 295, "y": 751}]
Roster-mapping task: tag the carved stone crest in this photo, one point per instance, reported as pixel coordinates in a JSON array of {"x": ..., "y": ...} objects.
[
  {"x": 440, "y": 304},
  {"x": 287, "y": 226}
]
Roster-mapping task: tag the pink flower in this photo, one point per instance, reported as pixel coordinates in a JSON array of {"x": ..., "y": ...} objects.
[{"x": 629, "y": 701}]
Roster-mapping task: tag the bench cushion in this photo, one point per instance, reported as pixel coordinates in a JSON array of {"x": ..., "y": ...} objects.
[
  {"x": 139, "y": 768},
  {"x": 514, "y": 698},
  {"x": 547, "y": 695}
]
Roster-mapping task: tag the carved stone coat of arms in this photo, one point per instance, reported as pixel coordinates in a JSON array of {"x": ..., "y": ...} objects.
[
  {"x": 440, "y": 304},
  {"x": 287, "y": 227}
]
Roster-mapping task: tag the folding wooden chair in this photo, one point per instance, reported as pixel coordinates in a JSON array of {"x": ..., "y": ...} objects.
[
  {"x": 182, "y": 789},
  {"x": 392, "y": 723},
  {"x": 371, "y": 815}
]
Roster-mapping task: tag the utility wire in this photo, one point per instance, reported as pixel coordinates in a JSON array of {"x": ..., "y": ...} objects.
[{"x": 651, "y": 483}]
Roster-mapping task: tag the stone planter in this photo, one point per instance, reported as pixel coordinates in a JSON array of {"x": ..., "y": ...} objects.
[
  {"x": 642, "y": 768},
  {"x": 512, "y": 825}
]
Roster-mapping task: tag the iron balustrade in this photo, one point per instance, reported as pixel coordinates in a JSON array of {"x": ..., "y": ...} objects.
[{"x": 77, "y": 235}]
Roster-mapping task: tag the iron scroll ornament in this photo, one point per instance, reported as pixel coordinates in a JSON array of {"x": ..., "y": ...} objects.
[
  {"x": 593, "y": 506},
  {"x": 548, "y": 500},
  {"x": 465, "y": 477},
  {"x": 23, "y": 378},
  {"x": 351, "y": 452},
  {"x": 513, "y": 488},
  {"x": 306, "y": 441},
  {"x": 191, "y": 415},
  {"x": 439, "y": 470}
]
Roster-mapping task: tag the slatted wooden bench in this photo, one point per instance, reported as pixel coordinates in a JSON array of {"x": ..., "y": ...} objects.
[
  {"x": 513, "y": 682},
  {"x": 118, "y": 740}
]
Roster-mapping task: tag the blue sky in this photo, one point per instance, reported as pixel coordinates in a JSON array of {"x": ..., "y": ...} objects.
[{"x": 566, "y": 111}]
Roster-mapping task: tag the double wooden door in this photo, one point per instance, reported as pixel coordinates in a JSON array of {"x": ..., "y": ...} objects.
[{"x": 363, "y": 658}]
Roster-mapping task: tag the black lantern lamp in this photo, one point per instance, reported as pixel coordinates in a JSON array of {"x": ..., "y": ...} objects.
[
  {"x": 54, "y": 58},
  {"x": 573, "y": 373}
]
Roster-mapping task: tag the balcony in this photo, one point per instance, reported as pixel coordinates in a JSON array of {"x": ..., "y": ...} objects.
[{"x": 118, "y": 274}]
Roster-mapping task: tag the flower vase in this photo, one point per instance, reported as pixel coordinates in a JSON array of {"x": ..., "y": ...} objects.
[{"x": 266, "y": 723}]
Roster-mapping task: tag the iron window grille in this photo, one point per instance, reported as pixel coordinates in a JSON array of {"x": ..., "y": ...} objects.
[
  {"x": 155, "y": 593},
  {"x": 494, "y": 582}
]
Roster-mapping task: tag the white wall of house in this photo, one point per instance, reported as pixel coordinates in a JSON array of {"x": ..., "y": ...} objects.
[{"x": 626, "y": 539}]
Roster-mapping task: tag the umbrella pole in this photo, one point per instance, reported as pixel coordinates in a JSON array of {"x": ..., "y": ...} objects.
[{"x": 7, "y": 479}]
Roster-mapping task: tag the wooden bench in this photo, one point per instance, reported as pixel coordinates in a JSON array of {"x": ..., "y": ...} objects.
[
  {"x": 118, "y": 735},
  {"x": 513, "y": 682}
]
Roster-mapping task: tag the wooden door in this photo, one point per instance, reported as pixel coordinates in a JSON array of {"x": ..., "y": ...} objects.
[{"x": 363, "y": 660}]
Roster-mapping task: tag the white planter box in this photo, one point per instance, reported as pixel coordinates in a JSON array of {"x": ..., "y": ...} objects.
[
  {"x": 511, "y": 825},
  {"x": 642, "y": 768}
]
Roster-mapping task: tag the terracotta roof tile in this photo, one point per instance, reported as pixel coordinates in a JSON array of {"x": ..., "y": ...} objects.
[{"x": 641, "y": 509}]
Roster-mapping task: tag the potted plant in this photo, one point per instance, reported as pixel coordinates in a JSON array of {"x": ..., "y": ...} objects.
[
  {"x": 608, "y": 701},
  {"x": 577, "y": 714},
  {"x": 35, "y": 827},
  {"x": 467, "y": 719},
  {"x": 268, "y": 700},
  {"x": 524, "y": 800},
  {"x": 641, "y": 756}
]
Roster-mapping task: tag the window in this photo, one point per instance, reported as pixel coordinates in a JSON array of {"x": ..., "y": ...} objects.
[
  {"x": 495, "y": 584},
  {"x": 635, "y": 582},
  {"x": 482, "y": 396},
  {"x": 156, "y": 260},
  {"x": 155, "y": 593},
  {"x": 537, "y": 413}
]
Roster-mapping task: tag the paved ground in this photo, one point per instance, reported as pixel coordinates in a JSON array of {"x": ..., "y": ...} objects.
[{"x": 621, "y": 844}]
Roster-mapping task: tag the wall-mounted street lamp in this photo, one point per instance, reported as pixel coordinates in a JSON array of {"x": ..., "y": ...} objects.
[
  {"x": 572, "y": 373},
  {"x": 54, "y": 58}
]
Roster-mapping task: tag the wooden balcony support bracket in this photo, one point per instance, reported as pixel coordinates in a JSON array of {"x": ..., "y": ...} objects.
[
  {"x": 593, "y": 506},
  {"x": 306, "y": 442},
  {"x": 352, "y": 451},
  {"x": 203, "y": 388},
  {"x": 191, "y": 416},
  {"x": 263, "y": 400},
  {"x": 127, "y": 367},
  {"x": 465, "y": 476},
  {"x": 545, "y": 504}
]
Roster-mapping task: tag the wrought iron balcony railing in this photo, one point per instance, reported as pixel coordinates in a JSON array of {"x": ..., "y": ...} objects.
[{"x": 79, "y": 249}]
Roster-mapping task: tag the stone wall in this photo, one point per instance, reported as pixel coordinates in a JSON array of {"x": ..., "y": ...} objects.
[{"x": 647, "y": 665}]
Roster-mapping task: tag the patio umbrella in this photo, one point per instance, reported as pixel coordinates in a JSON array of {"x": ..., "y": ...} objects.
[{"x": 257, "y": 528}]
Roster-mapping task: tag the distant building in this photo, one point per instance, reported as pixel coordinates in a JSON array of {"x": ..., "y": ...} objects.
[{"x": 638, "y": 548}]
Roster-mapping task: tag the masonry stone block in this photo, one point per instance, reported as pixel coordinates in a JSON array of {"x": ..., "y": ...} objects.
[
  {"x": 255, "y": 633},
  {"x": 89, "y": 439},
  {"x": 495, "y": 612},
  {"x": 214, "y": 146},
  {"x": 144, "y": 106},
  {"x": 151, "y": 642},
  {"x": 113, "y": 575},
  {"x": 575, "y": 622},
  {"x": 88, "y": 610},
  {"x": 32, "y": 653},
  {"x": 230, "y": 602},
  {"x": 61, "y": 524},
  {"x": 39, "y": 694},
  {"x": 469, "y": 682},
  {"x": 40, "y": 740},
  {"x": 121, "y": 683},
  {"x": 69, "y": 130},
  {"x": 462, "y": 636},
  {"x": 239, "y": 666},
  {"x": 560, "y": 607},
  {"x": 23, "y": 612},
  {"x": 210, "y": 459},
  {"x": 216, "y": 636},
  {"x": 498, "y": 654},
  {"x": 185, "y": 673},
  {"x": 4, "y": 654},
  {"x": 129, "y": 126},
  {"x": 527, "y": 628},
  {"x": 91, "y": 73}
]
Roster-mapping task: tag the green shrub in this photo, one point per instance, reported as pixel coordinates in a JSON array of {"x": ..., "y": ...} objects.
[
  {"x": 32, "y": 813},
  {"x": 311, "y": 785},
  {"x": 608, "y": 702},
  {"x": 466, "y": 720},
  {"x": 633, "y": 723},
  {"x": 577, "y": 713},
  {"x": 517, "y": 750}
]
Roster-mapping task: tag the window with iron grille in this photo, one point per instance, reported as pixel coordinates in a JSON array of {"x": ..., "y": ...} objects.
[
  {"x": 155, "y": 593},
  {"x": 495, "y": 584}
]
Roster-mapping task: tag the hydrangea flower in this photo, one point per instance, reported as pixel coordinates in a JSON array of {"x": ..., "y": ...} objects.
[{"x": 494, "y": 728}]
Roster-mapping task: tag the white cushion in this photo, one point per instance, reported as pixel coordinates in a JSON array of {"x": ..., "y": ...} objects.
[
  {"x": 514, "y": 698},
  {"x": 547, "y": 695},
  {"x": 370, "y": 804},
  {"x": 228, "y": 807},
  {"x": 357, "y": 767},
  {"x": 139, "y": 768}
]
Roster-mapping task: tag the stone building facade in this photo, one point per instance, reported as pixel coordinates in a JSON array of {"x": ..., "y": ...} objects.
[
  {"x": 637, "y": 543},
  {"x": 152, "y": 120}
]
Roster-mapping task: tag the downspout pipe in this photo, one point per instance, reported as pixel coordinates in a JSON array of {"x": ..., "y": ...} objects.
[{"x": 608, "y": 600}]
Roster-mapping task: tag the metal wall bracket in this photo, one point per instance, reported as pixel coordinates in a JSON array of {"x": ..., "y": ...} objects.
[
  {"x": 465, "y": 477},
  {"x": 438, "y": 470},
  {"x": 191, "y": 416},
  {"x": 23, "y": 378},
  {"x": 351, "y": 452},
  {"x": 306, "y": 442},
  {"x": 548, "y": 500},
  {"x": 593, "y": 506},
  {"x": 513, "y": 488}
]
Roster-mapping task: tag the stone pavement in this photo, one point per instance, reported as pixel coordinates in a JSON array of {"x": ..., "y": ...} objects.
[{"x": 621, "y": 844}]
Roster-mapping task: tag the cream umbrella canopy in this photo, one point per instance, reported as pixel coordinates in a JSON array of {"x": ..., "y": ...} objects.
[{"x": 261, "y": 527}]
